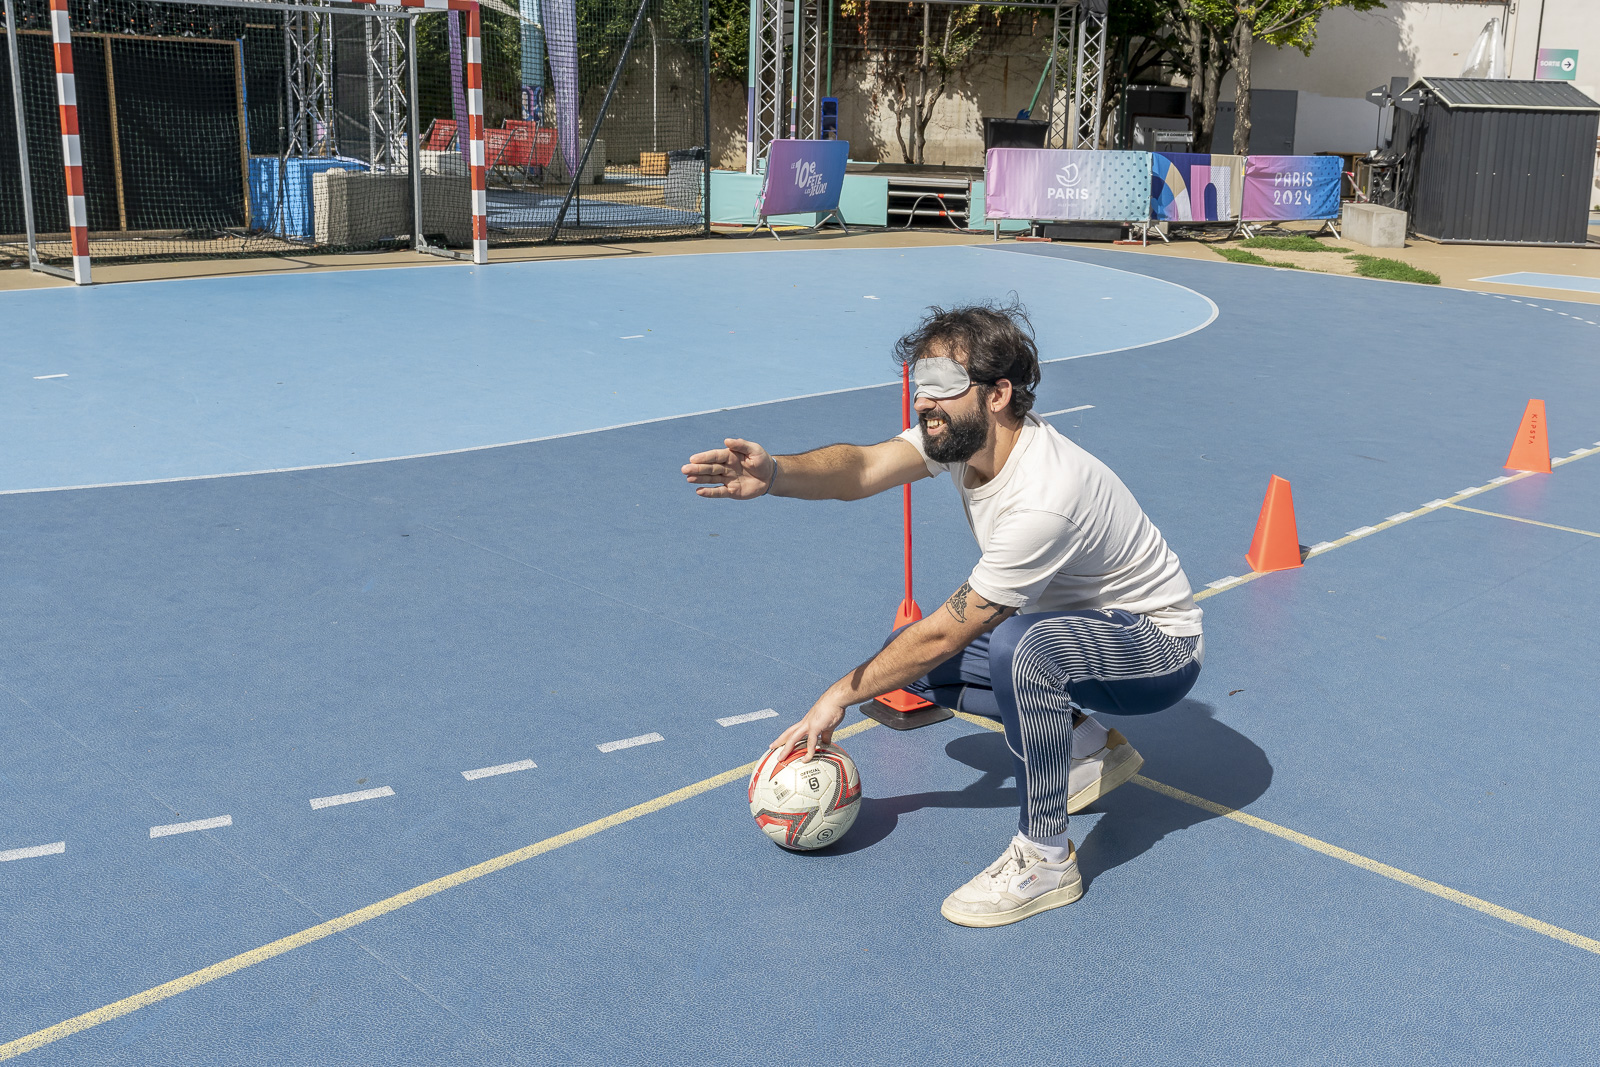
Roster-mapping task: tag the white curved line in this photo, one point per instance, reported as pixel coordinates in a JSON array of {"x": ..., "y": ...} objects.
[{"x": 1215, "y": 311}]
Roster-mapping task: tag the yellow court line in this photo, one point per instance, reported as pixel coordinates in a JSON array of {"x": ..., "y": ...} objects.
[
  {"x": 1455, "y": 896},
  {"x": 1530, "y": 522},
  {"x": 373, "y": 911}
]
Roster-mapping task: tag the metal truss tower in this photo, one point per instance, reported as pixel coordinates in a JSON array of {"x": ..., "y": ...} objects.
[
  {"x": 1089, "y": 74},
  {"x": 386, "y": 93},
  {"x": 308, "y": 66},
  {"x": 787, "y": 72}
]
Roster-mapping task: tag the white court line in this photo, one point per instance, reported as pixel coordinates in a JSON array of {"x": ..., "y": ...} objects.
[
  {"x": 631, "y": 337},
  {"x": 504, "y": 768},
  {"x": 47, "y": 377},
  {"x": 1399, "y": 516},
  {"x": 1322, "y": 546},
  {"x": 29, "y": 853},
  {"x": 1066, "y": 411},
  {"x": 752, "y": 716},
  {"x": 1362, "y": 531},
  {"x": 630, "y": 742},
  {"x": 189, "y": 827},
  {"x": 351, "y": 798},
  {"x": 1223, "y": 583}
]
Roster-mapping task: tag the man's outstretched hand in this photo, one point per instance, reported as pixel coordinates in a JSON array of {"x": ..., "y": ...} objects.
[{"x": 740, "y": 471}]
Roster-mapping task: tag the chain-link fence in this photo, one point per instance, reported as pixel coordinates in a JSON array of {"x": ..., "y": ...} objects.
[{"x": 272, "y": 128}]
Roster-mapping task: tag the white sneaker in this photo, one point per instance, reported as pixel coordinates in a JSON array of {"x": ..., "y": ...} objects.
[
  {"x": 1018, "y": 884},
  {"x": 1098, "y": 773}
]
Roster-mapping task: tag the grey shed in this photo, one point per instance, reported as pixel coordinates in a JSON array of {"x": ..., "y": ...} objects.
[{"x": 1501, "y": 162}]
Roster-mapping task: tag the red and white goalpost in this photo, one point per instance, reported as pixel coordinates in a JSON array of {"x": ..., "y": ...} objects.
[
  {"x": 477, "y": 165},
  {"x": 115, "y": 198}
]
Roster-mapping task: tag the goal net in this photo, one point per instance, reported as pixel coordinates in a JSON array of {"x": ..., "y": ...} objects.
[{"x": 153, "y": 129}]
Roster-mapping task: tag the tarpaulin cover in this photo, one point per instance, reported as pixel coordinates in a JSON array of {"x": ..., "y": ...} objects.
[
  {"x": 1058, "y": 184},
  {"x": 561, "y": 41},
  {"x": 1194, "y": 187},
  {"x": 1279, "y": 188}
]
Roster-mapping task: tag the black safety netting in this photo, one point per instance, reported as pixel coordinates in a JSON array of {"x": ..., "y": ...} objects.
[
  {"x": 211, "y": 130},
  {"x": 545, "y": 100}
]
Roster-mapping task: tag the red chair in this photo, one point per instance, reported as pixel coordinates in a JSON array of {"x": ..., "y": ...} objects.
[{"x": 441, "y": 135}]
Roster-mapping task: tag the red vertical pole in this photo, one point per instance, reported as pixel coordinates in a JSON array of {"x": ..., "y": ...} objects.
[{"x": 909, "y": 612}]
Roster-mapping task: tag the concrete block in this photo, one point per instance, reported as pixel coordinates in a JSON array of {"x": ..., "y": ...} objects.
[
  {"x": 355, "y": 210},
  {"x": 1374, "y": 226}
]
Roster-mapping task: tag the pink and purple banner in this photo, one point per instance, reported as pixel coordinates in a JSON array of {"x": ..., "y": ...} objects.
[
  {"x": 1279, "y": 188},
  {"x": 1060, "y": 184},
  {"x": 803, "y": 176}
]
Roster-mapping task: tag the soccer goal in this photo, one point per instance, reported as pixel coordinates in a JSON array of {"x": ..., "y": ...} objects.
[{"x": 149, "y": 129}]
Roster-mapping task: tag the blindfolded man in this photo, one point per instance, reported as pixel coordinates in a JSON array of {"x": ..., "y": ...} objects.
[{"x": 1076, "y": 602}]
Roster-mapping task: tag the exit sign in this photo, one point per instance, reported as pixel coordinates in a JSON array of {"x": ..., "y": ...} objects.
[{"x": 1556, "y": 64}]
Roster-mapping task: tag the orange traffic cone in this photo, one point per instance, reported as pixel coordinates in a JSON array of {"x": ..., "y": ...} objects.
[
  {"x": 1276, "y": 545},
  {"x": 1531, "y": 450}
]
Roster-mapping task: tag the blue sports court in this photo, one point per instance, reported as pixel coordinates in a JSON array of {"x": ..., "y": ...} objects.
[{"x": 367, "y": 574}]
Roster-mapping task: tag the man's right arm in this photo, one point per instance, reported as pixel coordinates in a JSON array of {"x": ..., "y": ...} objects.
[
  {"x": 743, "y": 470},
  {"x": 848, "y": 472}
]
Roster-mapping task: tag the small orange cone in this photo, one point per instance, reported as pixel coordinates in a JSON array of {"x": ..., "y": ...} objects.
[
  {"x": 1276, "y": 545},
  {"x": 1531, "y": 450}
]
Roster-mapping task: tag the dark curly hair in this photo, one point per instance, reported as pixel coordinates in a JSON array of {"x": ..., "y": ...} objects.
[{"x": 996, "y": 340}]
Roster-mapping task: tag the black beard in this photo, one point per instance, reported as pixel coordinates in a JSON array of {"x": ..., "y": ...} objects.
[{"x": 961, "y": 440}]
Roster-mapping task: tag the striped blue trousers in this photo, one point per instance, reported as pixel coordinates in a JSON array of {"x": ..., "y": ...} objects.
[{"x": 1032, "y": 671}]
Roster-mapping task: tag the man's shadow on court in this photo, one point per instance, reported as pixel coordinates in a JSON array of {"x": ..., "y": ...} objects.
[{"x": 1184, "y": 746}]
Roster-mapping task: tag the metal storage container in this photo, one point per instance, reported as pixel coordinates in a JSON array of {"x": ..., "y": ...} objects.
[{"x": 1501, "y": 162}]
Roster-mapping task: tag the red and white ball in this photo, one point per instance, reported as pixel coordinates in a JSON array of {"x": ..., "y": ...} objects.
[{"x": 805, "y": 804}]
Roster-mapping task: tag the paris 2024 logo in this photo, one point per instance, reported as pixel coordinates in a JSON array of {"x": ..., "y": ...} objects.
[{"x": 1066, "y": 186}]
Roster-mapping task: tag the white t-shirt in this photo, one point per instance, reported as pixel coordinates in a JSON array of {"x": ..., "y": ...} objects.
[{"x": 1060, "y": 532}]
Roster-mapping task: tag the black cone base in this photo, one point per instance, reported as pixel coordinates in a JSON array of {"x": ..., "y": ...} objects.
[{"x": 905, "y": 720}]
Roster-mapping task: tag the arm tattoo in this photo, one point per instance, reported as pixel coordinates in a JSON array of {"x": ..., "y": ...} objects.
[
  {"x": 958, "y": 602},
  {"x": 958, "y": 605}
]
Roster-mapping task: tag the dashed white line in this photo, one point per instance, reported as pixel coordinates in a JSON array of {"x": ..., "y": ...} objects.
[
  {"x": 351, "y": 798},
  {"x": 188, "y": 827},
  {"x": 1362, "y": 531},
  {"x": 47, "y": 377},
  {"x": 1400, "y": 516},
  {"x": 504, "y": 768},
  {"x": 630, "y": 742},
  {"x": 631, "y": 337},
  {"x": 1436, "y": 503},
  {"x": 1066, "y": 411},
  {"x": 1322, "y": 546},
  {"x": 1223, "y": 583},
  {"x": 54, "y": 849},
  {"x": 752, "y": 716},
  {"x": 1502, "y": 480}
]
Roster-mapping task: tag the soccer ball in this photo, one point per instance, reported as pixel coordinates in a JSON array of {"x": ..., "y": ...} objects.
[{"x": 804, "y": 805}]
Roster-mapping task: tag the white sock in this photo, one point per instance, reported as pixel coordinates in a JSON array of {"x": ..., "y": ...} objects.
[
  {"x": 1088, "y": 737},
  {"x": 1053, "y": 849}
]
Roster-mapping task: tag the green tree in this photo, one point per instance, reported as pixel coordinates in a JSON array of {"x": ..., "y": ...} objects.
[
  {"x": 1229, "y": 29},
  {"x": 730, "y": 40}
]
